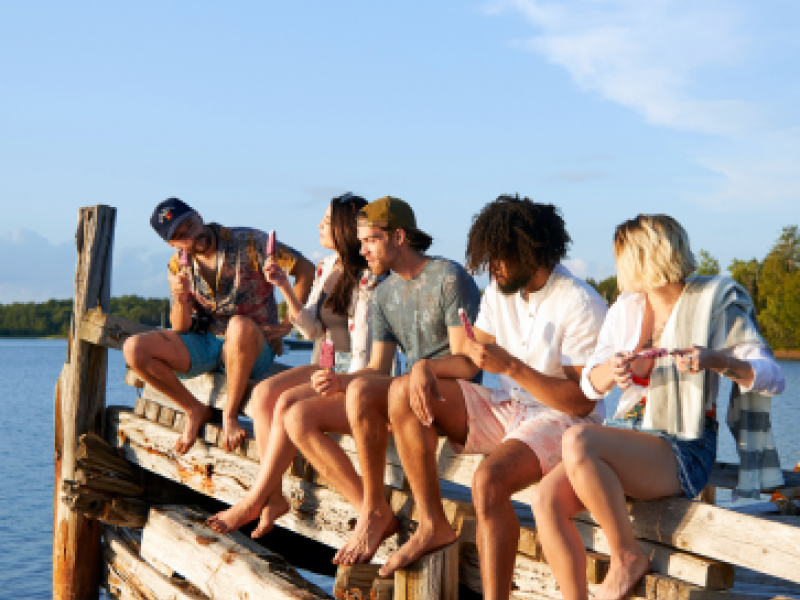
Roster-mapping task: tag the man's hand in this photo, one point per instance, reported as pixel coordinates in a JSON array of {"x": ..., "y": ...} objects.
[
  {"x": 488, "y": 357},
  {"x": 275, "y": 274},
  {"x": 180, "y": 287},
  {"x": 325, "y": 382},
  {"x": 424, "y": 392}
]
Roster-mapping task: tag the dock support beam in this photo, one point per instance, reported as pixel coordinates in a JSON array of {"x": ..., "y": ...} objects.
[{"x": 79, "y": 404}]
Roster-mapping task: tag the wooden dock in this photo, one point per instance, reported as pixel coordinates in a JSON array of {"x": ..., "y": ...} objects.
[{"x": 128, "y": 511}]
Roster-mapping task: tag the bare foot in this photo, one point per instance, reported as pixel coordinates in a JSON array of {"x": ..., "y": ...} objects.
[
  {"x": 424, "y": 541},
  {"x": 233, "y": 518},
  {"x": 623, "y": 575},
  {"x": 276, "y": 507},
  {"x": 372, "y": 527},
  {"x": 195, "y": 419},
  {"x": 232, "y": 433}
]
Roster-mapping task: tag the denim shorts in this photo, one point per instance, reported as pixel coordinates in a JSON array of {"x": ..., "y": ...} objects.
[
  {"x": 206, "y": 354},
  {"x": 695, "y": 457}
]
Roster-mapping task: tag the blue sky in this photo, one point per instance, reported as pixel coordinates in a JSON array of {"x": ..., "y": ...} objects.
[{"x": 256, "y": 113}]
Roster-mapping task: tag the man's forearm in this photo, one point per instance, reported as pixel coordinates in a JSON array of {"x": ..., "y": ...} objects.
[
  {"x": 180, "y": 317},
  {"x": 561, "y": 394},
  {"x": 453, "y": 366}
]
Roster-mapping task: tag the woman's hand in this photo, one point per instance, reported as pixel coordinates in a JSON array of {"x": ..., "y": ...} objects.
[
  {"x": 694, "y": 359},
  {"x": 620, "y": 367},
  {"x": 488, "y": 357},
  {"x": 325, "y": 382},
  {"x": 275, "y": 274}
]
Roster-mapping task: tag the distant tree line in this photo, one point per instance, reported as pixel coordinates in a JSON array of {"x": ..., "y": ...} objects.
[
  {"x": 51, "y": 318},
  {"x": 773, "y": 283}
]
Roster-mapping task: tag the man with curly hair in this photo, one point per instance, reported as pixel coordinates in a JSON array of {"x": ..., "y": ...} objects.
[{"x": 536, "y": 327}]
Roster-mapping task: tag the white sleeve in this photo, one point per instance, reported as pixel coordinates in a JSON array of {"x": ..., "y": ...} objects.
[
  {"x": 768, "y": 376},
  {"x": 307, "y": 320},
  {"x": 359, "y": 324},
  {"x": 586, "y": 319},
  {"x": 486, "y": 320},
  {"x": 603, "y": 350}
]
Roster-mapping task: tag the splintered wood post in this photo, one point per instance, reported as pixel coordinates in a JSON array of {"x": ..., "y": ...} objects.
[
  {"x": 354, "y": 581},
  {"x": 79, "y": 402},
  {"x": 431, "y": 577}
]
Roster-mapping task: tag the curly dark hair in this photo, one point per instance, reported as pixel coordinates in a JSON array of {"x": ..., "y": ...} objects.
[
  {"x": 516, "y": 230},
  {"x": 344, "y": 209}
]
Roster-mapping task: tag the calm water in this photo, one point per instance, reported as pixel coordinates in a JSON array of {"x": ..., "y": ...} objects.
[{"x": 28, "y": 371}]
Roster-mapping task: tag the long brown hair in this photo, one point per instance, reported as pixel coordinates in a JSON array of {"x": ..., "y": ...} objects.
[{"x": 344, "y": 210}]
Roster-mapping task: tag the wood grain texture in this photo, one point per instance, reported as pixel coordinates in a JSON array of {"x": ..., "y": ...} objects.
[
  {"x": 79, "y": 405},
  {"x": 224, "y": 567},
  {"x": 109, "y": 331}
]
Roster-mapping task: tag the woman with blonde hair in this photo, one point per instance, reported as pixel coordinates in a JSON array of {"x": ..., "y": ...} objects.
[{"x": 665, "y": 343}]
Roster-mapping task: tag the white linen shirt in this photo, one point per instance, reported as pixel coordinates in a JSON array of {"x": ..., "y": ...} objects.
[
  {"x": 557, "y": 326},
  {"x": 621, "y": 332}
]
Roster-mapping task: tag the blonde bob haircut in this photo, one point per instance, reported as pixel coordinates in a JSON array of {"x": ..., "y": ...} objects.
[{"x": 651, "y": 251}]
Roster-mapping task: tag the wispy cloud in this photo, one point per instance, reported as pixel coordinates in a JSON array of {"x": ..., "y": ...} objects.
[
  {"x": 655, "y": 57},
  {"x": 576, "y": 176}
]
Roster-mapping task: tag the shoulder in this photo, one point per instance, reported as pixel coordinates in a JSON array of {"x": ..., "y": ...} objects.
[
  {"x": 573, "y": 291},
  {"x": 450, "y": 271}
]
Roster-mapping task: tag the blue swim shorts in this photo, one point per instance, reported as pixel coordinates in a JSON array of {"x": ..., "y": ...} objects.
[
  {"x": 206, "y": 354},
  {"x": 695, "y": 457}
]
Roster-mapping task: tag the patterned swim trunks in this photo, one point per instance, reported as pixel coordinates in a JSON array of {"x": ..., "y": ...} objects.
[{"x": 491, "y": 423}]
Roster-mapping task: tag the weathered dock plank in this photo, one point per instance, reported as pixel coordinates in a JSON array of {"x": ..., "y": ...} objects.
[
  {"x": 325, "y": 516},
  {"x": 129, "y": 577},
  {"x": 108, "y": 331},
  {"x": 224, "y": 567}
]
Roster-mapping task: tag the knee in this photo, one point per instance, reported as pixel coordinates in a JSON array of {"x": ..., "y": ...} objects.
[
  {"x": 263, "y": 399},
  {"x": 577, "y": 444},
  {"x": 242, "y": 330},
  {"x": 488, "y": 488},
  {"x": 297, "y": 421},
  {"x": 398, "y": 398},
  {"x": 360, "y": 399},
  {"x": 285, "y": 402},
  {"x": 135, "y": 351},
  {"x": 544, "y": 500}
]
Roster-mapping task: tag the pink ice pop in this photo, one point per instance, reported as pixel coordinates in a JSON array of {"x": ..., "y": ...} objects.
[
  {"x": 653, "y": 353},
  {"x": 183, "y": 258},
  {"x": 467, "y": 327},
  {"x": 271, "y": 243},
  {"x": 327, "y": 358}
]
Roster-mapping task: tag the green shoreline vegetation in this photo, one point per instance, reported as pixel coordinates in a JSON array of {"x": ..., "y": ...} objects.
[{"x": 773, "y": 283}]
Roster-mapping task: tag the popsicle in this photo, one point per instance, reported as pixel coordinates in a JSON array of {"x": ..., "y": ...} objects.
[
  {"x": 327, "y": 356},
  {"x": 653, "y": 353},
  {"x": 467, "y": 327},
  {"x": 184, "y": 262},
  {"x": 271, "y": 244}
]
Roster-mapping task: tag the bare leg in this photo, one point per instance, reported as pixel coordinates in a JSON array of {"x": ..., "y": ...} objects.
[
  {"x": 244, "y": 343},
  {"x": 511, "y": 467},
  {"x": 554, "y": 504},
  {"x": 306, "y": 423},
  {"x": 417, "y": 445},
  {"x": 156, "y": 357},
  {"x": 265, "y": 498},
  {"x": 603, "y": 465},
  {"x": 368, "y": 414}
]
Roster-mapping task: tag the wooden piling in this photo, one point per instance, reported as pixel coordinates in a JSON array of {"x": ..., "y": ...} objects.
[{"x": 79, "y": 404}]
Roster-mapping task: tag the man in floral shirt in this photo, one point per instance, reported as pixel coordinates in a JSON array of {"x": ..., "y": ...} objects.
[{"x": 223, "y": 315}]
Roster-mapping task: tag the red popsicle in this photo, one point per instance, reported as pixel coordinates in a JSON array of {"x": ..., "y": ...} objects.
[
  {"x": 467, "y": 327},
  {"x": 327, "y": 356},
  {"x": 271, "y": 244},
  {"x": 653, "y": 353}
]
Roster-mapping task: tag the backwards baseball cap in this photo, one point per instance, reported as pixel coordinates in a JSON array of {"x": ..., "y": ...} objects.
[
  {"x": 168, "y": 215},
  {"x": 388, "y": 213}
]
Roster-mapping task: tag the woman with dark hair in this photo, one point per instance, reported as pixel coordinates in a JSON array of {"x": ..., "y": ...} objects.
[
  {"x": 337, "y": 309},
  {"x": 667, "y": 342}
]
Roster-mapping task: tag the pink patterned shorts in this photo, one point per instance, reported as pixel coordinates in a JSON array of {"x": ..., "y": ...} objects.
[{"x": 491, "y": 423}]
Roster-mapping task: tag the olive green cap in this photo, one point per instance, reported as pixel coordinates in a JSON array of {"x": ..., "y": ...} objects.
[{"x": 388, "y": 213}]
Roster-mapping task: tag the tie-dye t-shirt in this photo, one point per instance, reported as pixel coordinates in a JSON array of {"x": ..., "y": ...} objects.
[
  {"x": 415, "y": 314},
  {"x": 240, "y": 287}
]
